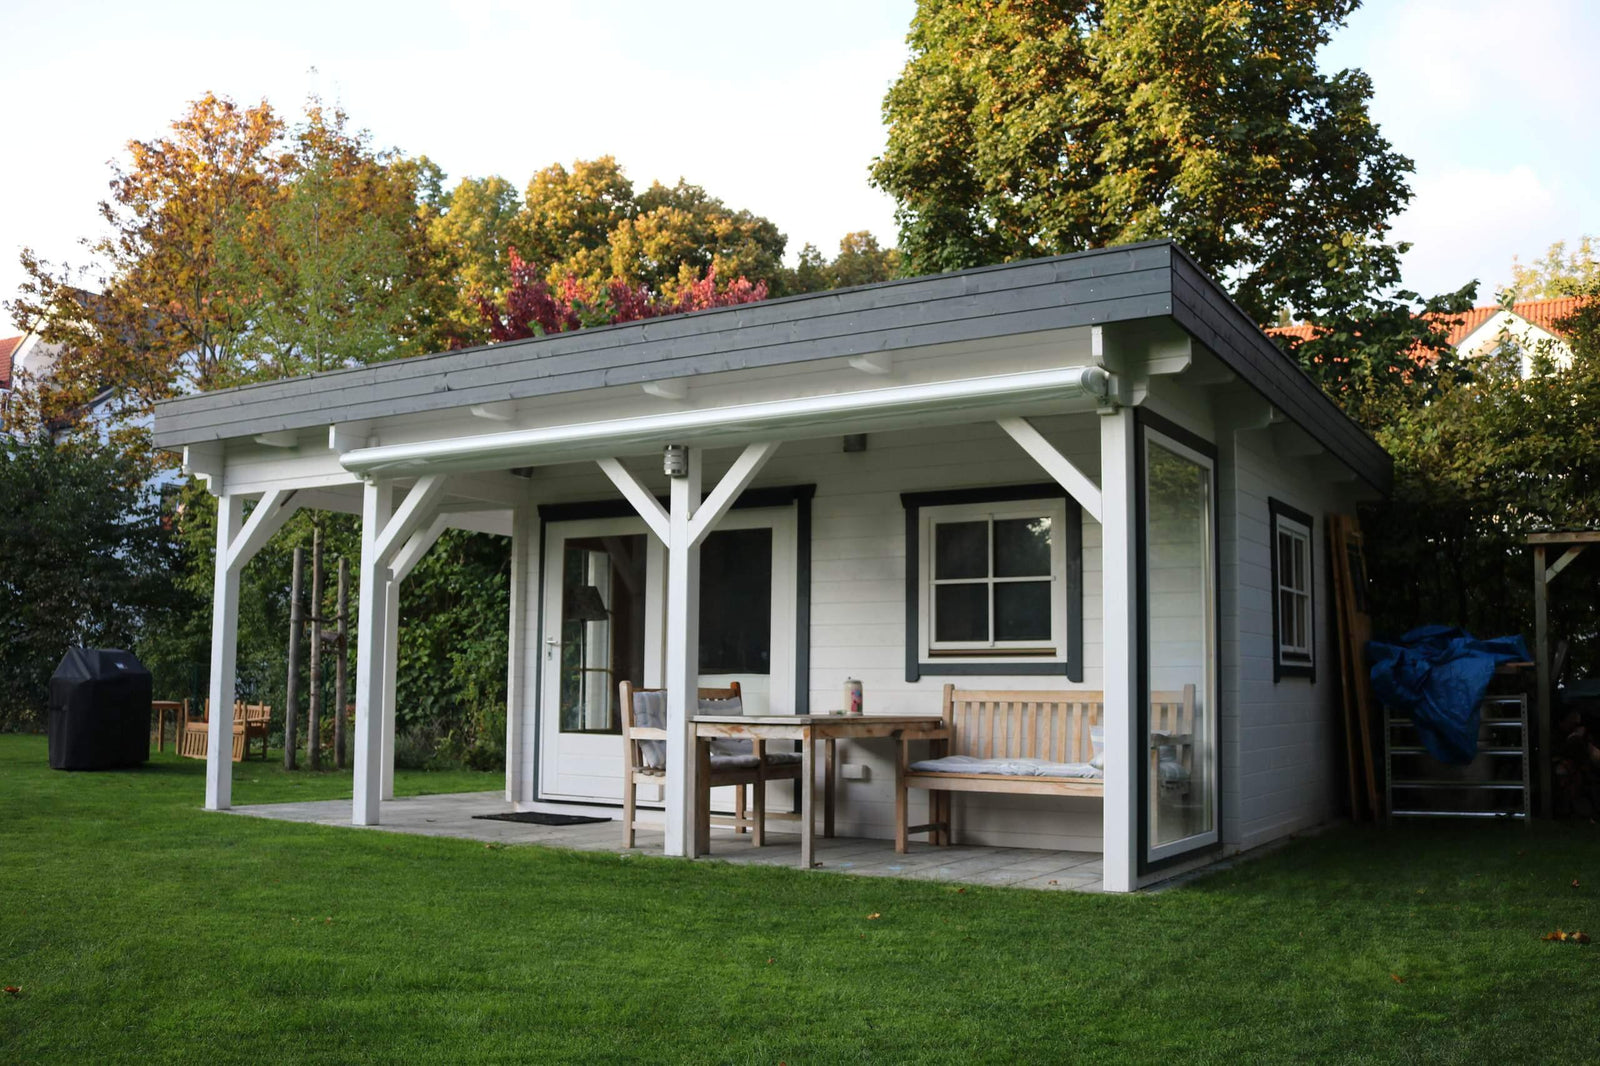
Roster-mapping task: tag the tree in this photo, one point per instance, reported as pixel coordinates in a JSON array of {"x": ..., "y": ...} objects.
[
  {"x": 477, "y": 224},
  {"x": 164, "y": 318},
  {"x": 1558, "y": 273},
  {"x": 1033, "y": 127},
  {"x": 84, "y": 560},
  {"x": 861, "y": 261},
  {"x": 531, "y": 307},
  {"x": 322, "y": 264}
]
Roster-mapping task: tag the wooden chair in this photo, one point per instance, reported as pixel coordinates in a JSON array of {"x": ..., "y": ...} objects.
[
  {"x": 250, "y": 721},
  {"x": 725, "y": 770}
]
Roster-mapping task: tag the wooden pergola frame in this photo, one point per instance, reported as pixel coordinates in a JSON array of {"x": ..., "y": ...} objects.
[{"x": 1575, "y": 541}]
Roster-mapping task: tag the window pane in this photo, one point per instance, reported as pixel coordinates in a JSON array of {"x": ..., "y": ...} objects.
[
  {"x": 1300, "y": 582},
  {"x": 1181, "y": 738},
  {"x": 736, "y": 602},
  {"x": 961, "y": 612},
  {"x": 602, "y": 629},
  {"x": 960, "y": 549},
  {"x": 1021, "y": 548},
  {"x": 1285, "y": 559},
  {"x": 1288, "y": 634},
  {"x": 1022, "y": 610}
]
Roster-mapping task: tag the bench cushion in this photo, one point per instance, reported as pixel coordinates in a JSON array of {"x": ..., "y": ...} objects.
[{"x": 966, "y": 764}]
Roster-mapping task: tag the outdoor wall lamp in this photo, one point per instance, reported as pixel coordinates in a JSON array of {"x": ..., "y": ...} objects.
[{"x": 675, "y": 460}]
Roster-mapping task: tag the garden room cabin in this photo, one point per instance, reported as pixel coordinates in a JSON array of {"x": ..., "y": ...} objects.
[{"x": 1085, "y": 473}]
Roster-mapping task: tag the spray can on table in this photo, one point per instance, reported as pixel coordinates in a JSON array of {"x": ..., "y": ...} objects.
[{"x": 852, "y": 696}]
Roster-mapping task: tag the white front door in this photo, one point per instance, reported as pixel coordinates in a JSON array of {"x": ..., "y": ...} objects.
[{"x": 604, "y": 601}]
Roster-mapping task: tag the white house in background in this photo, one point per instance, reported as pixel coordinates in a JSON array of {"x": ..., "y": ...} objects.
[
  {"x": 23, "y": 358},
  {"x": 1089, "y": 473},
  {"x": 1529, "y": 327}
]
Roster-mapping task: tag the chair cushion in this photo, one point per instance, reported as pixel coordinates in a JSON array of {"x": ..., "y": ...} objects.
[
  {"x": 967, "y": 764},
  {"x": 783, "y": 758},
  {"x": 732, "y": 762},
  {"x": 650, "y": 712},
  {"x": 1097, "y": 744},
  {"x": 726, "y": 745}
]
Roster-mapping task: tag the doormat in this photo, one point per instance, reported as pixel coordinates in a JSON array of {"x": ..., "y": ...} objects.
[{"x": 540, "y": 818}]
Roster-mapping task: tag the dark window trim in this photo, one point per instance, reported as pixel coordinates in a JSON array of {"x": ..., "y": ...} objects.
[
  {"x": 1144, "y": 420},
  {"x": 914, "y": 502},
  {"x": 1276, "y": 509},
  {"x": 750, "y": 499}
]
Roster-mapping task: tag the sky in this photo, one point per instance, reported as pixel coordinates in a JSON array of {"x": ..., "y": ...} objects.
[{"x": 771, "y": 107}]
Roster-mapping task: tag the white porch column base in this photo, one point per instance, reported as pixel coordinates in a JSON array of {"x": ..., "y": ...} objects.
[
  {"x": 1120, "y": 613},
  {"x": 224, "y": 657},
  {"x": 377, "y": 504}
]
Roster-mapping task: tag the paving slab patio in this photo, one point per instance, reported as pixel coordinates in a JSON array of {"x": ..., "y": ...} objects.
[{"x": 452, "y": 816}]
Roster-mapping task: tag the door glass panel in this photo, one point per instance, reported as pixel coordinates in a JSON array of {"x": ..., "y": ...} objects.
[
  {"x": 602, "y": 629},
  {"x": 736, "y": 602},
  {"x": 960, "y": 550},
  {"x": 1181, "y": 733},
  {"x": 1021, "y": 610}
]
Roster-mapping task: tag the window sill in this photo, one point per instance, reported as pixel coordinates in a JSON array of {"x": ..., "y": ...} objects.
[{"x": 995, "y": 667}]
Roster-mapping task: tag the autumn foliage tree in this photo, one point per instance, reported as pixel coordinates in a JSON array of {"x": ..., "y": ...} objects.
[
  {"x": 155, "y": 314},
  {"x": 532, "y": 307}
]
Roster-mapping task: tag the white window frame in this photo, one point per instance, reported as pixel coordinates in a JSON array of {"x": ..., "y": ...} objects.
[
  {"x": 1293, "y": 659},
  {"x": 1052, "y": 650}
]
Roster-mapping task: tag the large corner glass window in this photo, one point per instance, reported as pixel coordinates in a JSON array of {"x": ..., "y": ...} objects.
[
  {"x": 1294, "y": 653},
  {"x": 1179, "y": 761}
]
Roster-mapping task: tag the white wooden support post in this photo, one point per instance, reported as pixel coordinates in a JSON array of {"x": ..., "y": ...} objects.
[
  {"x": 377, "y": 502},
  {"x": 224, "y": 656},
  {"x": 519, "y": 669},
  {"x": 682, "y": 528},
  {"x": 682, "y": 658},
  {"x": 237, "y": 542},
  {"x": 1120, "y": 614},
  {"x": 391, "y": 653}
]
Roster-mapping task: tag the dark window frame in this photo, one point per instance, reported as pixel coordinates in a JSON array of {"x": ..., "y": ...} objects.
[
  {"x": 1277, "y": 509},
  {"x": 1072, "y": 583}
]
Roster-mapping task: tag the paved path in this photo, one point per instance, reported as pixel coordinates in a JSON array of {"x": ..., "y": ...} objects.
[{"x": 451, "y": 816}]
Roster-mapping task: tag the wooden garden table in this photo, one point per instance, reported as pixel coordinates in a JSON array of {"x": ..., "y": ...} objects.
[
  {"x": 807, "y": 729},
  {"x": 162, "y": 708}
]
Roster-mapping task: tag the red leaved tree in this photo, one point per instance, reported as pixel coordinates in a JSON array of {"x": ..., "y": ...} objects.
[{"x": 532, "y": 308}]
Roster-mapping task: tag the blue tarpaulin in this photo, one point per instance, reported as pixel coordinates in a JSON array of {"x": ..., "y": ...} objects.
[{"x": 1438, "y": 675}]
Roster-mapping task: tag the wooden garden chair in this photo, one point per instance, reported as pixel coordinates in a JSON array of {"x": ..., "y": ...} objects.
[
  {"x": 644, "y": 749},
  {"x": 250, "y": 722}
]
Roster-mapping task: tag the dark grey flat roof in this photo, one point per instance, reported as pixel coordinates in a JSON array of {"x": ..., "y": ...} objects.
[{"x": 1097, "y": 287}]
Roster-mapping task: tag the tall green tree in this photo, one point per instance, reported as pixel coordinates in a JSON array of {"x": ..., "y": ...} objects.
[
  {"x": 322, "y": 264},
  {"x": 1032, "y": 127},
  {"x": 1036, "y": 127},
  {"x": 84, "y": 560}
]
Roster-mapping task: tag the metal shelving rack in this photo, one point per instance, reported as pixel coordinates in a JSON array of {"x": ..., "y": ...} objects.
[{"x": 1501, "y": 717}]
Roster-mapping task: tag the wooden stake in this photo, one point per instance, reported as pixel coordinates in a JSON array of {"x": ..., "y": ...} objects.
[
  {"x": 314, "y": 716},
  {"x": 291, "y": 699},
  {"x": 341, "y": 664}
]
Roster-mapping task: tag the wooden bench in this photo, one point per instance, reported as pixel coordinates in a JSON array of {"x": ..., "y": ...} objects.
[{"x": 1052, "y": 727}]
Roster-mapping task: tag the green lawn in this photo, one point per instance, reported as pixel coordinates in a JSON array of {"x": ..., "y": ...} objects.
[{"x": 137, "y": 925}]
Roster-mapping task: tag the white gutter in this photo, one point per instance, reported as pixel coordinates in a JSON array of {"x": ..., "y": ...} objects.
[{"x": 897, "y": 407}]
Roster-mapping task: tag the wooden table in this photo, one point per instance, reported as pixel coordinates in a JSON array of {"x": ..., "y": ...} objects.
[
  {"x": 162, "y": 708},
  {"x": 807, "y": 729}
]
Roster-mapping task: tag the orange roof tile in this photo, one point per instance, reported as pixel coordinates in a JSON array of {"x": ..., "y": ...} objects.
[{"x": 7, "y": 346}]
